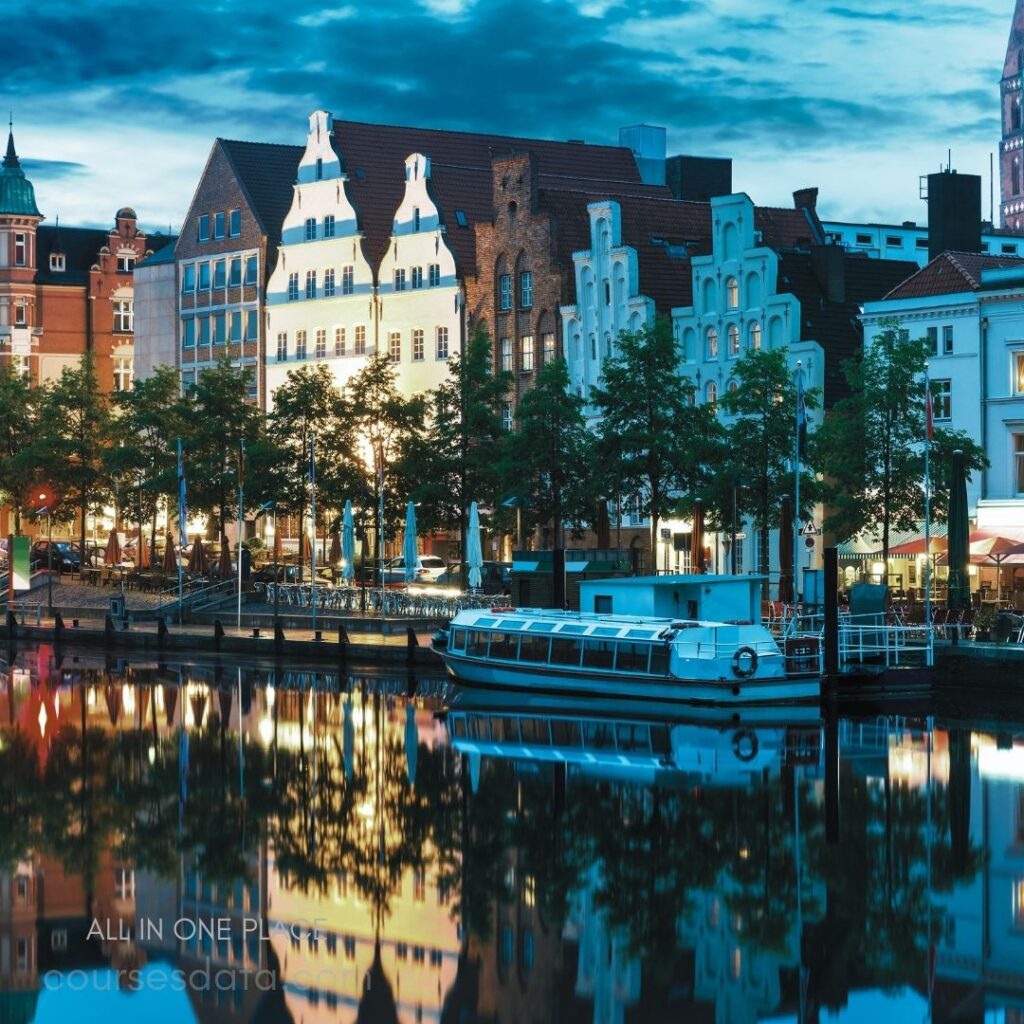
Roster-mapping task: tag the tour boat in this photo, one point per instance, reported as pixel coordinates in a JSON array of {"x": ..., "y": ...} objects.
[{"x": 730, "y": 659}]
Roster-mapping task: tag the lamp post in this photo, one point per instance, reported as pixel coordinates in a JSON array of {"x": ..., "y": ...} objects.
[
  {"x": 271, "y": 506},
  {"x": 49, "y": 557}
]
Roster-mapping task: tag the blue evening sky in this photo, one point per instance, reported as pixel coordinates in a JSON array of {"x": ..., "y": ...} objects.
[{"x": 117, "y": 104}]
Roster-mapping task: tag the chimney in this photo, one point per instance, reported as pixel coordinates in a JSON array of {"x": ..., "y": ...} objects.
[
  {"x": 829, "y": 263},
  {"x": 805, "y": 199}
]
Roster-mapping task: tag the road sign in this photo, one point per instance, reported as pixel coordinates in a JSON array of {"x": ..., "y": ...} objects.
[
  {"x": 809, "y": 529},
  {"x": 808, "y": 542}
]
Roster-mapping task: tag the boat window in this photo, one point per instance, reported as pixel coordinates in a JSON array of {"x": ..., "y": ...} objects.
[
  {"x": 659, "y": 659},
  {"x": 565, "y": 651},
  {"x": 598, "y": 734},
  {"x": 598, "y": 653},
  {"x": 476, "y": 641},
  {"x": 660, "y": 742},
  {"x": 459, "y": 727},
  {"x": 540, "y": 627},
  {"x": 533, "y": 648},
  {"x": 571, "y": 627},
  {"x": 603, "y": 604},
  {"x": 512, "y": 624},
  {"x": 605, "y": 631},
  {"x": 503, "y": 730},
  {"x": 632, "y": 657},
  {"x": 565, "y": 733},
  {"x": 534, "y": 730},
  {"x": 478, "y": 728},
  {"x": 640, "y": 634},
  {"x": 458, "y": 640},
  {"x": 504, "y": 645},
  {"x": 486, "y": 622},
  {"x": 633, "y": 736}
]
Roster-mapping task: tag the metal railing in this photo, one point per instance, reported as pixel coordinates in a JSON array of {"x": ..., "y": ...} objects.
[{"x": 378, "y": 602}]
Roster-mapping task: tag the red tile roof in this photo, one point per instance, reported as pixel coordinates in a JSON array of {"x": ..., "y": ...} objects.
[{"x": 949, "y": 273}]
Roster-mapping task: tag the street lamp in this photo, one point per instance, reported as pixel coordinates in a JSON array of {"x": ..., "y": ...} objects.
[{"x": 270, "y": 506}]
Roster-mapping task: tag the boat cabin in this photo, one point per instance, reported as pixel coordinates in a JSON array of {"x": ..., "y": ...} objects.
[{"x": 703, "y": 598}]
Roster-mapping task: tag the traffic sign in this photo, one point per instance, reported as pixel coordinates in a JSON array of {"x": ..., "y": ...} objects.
[{"x": 809, "y": 529}]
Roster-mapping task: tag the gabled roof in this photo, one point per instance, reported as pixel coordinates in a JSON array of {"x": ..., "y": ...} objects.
[
  {"x": 267, "y": 173},
  {"x": 784, "y": 227},
  {"x": 948, "y": 274}
]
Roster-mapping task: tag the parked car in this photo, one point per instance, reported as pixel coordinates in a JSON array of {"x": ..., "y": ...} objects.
[
  {"x": 494, "y": 577},
  {"x": 62, "y": 555},
  {"x": 428, "y": 568}
]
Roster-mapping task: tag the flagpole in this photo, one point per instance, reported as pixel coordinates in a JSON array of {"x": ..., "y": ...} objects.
[
  {"x": 801, "y": 416},
  {"x": 182, "y": 527},
  {"x": 241, "y": 492},
  {"x": 928, "y": 509},
  {"x": 312, "y": 518}
]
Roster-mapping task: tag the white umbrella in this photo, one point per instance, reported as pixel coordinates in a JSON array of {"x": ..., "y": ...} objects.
[
  {"x": 348, "y": 544},
  {"x": 474, "y": 553},
  {"x": 410, "y": 554}
]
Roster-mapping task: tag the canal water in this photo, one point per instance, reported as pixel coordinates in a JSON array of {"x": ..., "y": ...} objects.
[{"x": 234, "y": 843}]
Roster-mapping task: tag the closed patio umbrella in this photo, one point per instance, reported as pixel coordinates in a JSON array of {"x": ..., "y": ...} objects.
[
  {"x": 697, "y": 538},
  {"x": 142, "y": 558},
  {"x": 786, "y": 551},
  {"x": 348, "y": 544},
  {"x": 197, "y": 558},
  {"x": 335, "y": 556},
  {"x": 410, "y": 553},
  {"x": 306, "y": 550},
  {"x": 112, "y": 556},
  {"x": 474, "y": 552},
  {"x": 224, "y": 566},
  {"x": 170, "y": 556},
  {"x": 958, "y": 545}
]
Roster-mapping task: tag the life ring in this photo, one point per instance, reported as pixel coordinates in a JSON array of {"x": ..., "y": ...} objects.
[
  {"x": 744, "y": 653},
  {"x": 744, "y": 745}
]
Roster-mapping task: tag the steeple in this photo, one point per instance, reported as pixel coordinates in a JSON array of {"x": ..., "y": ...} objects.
[{"x": 17, "y": 196}]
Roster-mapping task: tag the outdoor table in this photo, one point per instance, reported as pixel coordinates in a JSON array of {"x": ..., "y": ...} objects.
[{"x": 91, "y": 576}]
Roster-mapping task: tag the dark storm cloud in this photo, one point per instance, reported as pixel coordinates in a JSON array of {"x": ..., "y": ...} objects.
[{"x": 52, "y": 170}]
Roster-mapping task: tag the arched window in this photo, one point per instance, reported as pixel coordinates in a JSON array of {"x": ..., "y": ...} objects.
[
  {"x": 730, "y": 242},
  {"x": 689, "y": 351},
  {"x": 712, "y": 343},
  {"x": 732, "y": 293},
  {"x": 711, "y": 393},
  {"x": 753, "y": 290},
  {"x": 732, "y": 387},
  {"x": 634, "y": 322},
  {"x": 710, "y": 298},
  {"x": 1015, "y": 113},
  {"x": 733, "y": 333},
  {"x": 755, "y": 335}
]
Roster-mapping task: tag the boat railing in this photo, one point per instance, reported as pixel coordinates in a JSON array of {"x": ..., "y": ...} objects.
[
  {"x": 717, "y": 649},
  {"x": 872, "y": 636}
]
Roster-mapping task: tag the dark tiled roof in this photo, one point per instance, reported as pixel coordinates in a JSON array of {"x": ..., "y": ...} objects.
[
  {"x": 81, "y": 247},
  {"x": 267, "y": 173},
  {"x": 949, "y": 273},
  {"x": 835, "y": 325},
  {"x": 785, "y": 227},
  {"x": 461, "y": 177}
]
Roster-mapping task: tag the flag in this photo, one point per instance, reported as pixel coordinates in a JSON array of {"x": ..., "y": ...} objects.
[{"x": 929, "y": 413}]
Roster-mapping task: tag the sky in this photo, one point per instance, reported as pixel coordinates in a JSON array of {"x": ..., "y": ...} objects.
[{"x": 118, "y": 104}]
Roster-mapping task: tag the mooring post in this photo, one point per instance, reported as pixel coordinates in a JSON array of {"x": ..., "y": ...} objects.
[
  {"x": 218, "y": 632},
  {"x": 831, "y": 615}
]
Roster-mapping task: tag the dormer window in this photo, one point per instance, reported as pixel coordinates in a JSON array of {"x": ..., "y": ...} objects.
[
  {"x": 125, "y": 262},
  {"x": 57, "y": 262},
  {"x": 461, "y": 219}
]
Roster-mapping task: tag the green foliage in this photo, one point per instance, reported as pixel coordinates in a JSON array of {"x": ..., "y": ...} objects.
[{"x": 18, "y": 425}]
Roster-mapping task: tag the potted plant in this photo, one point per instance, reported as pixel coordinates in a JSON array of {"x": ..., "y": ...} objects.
[{"x": 983, "y": 622}]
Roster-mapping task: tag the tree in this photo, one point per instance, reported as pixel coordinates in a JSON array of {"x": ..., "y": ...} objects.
[
  {"x": 760, "y": 439},
  {"x": 871, "y": 446},
  {"x": 18, "y": 425},
  {"x": 75, "y": 434},
  {"x": 651, "y": 436},
  {"x": 550, "y": 455}
]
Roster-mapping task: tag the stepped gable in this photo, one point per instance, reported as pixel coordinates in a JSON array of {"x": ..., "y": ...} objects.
[
  {"x": 949, "y": 273},
  {"x": 267, "y": 172},
  {"x": 461, "y": 176}
]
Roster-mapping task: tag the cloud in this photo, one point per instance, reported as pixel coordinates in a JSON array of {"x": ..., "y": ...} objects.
[
  {"x": 325, "y": 17},
  {"x": 52, "y": 170}
]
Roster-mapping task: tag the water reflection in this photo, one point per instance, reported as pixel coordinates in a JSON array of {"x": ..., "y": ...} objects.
[{"x": 237, "y": 844}]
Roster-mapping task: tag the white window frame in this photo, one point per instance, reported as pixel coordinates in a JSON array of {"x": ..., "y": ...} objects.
[{"x": 441, "y": 342}]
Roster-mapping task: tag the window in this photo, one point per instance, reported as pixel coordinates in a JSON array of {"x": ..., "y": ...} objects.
[
  {"x": 218, "y": 225},
  {"x": 339, "y": 341},
  {"x": 293, "y": 287},
  {"x": 712, "y": 343},
  {"x": 360, "y": 341},
  {"x": 235, "y": 325},
  {"x": 321, "y": 343},
  {"x": 219, "y": 329},
  {"x": 250, "y": 270},
  {"x": 300, "y": 344},
  {"x": 188, "y": 333},
  {"x": 204, "y": 227},
  {"x": 942, "y": 399},
  {"x": 20, "y": 315},
  {"x": 947, "y": 340},
  {"x": 395, "y": 346},
  {"x": 1018, "y": 903},
  {"x": 547, "y": 341},
  {"x": 441, "y": 338},
  {"x": 460, "y": 219},
  {"x": 526, "y": 289},
  {"x": 506, "y": 354},
  {"x": 507, "y": 419},
  {"x": 1018, "y": 459},
  {"x": 346, "y": 281},
  {"x": 204, "y": 330},
  {"x": 732, "y": 293},
  {"x": 417, "y": 345},
  {"x": 204, "y": 277},
  {"x": 921, "y": 243},
  {"x": 310, "y": 284},
  {"x": 435, "y": 274},
  {"x": 526, "y": 352},
  {"x": 711, "y": 393},
  {"x": 417, "y": 277},
  {"x": 755, "y": 336},
  {"x": 311, "y": 229},
  {"x": 329, "y": 282},
  {"x": 220, "y": 274},
  {"x": 894, "y": 241},
  {"x": 329, "y": 225},
  {"x": 235, "y": 227},
  {"x": 235, "y": 272},
  {"x": 122, "y": 373},
  {"x": 282, "y": 346},
  {"x": 20, "y": 250},
  {"x": 733, "y": 334},
  {"x": 932, "y": 336},
  {"x": 188, "y": 278},
  {"x": 400, "y": 279},
  {"x": 123, "y": 316},
  {"x": 505, "y": 291},
  {"x": 1011, "y": 250},
  {"x": 252, "y": 325},
  {"x": 863, "y": 239},
  {"x": 1018, "y": 374},
  {"x": 419, "y": 885},
  {"x": 125, "y": 262}
]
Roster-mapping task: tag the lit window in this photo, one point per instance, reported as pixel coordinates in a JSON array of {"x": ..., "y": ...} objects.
[
  {"x": 235, "y": 324},
  {"x": 218, "y": 225},
  {"x": 123, "y": 316},
  {"x": 526, "y": 289},
  {"x": 732, "y": 293},
  {"x": 321, "y": 342},
  {"x": 400, "y": 279},
  {"x": 733, "y": 334},
  {"x": 505, "y": 290},
  {"x": 250, "y": 270},
  {"x": 1018, "y": 374},
  {"x": 435, "y": 274},
  {"x": 329, "y": 225},
  {"x": 947, "y": 340},
  {"x": 712, "y": 343},
  {"x": 360, "y": 341},
  {"x": 526, "y": 352},
  {"x": 57, "y": 261},
  {"x": 395, "y": 346},
  {"x": 417, "y": 346},
  {"x": 204, "y": 227},
  {"x": 506, "y": 354},
  {"x": 1018, "y": 462},
  {"x": 310, "y": 284},
  {"x": 942, "y": 399},
  {"x": 125, "y": 262},
  {"x": 339, "y": 341},
  {"x": 236, "y": 223},
  {"x": 329, "y": 282},
  {"x": 204, "y": 277},
  {"x": 293, "y": 287},
  {"x": 530, "y": 891},
  {"x": 417, "y": 277},
  {"x": 20, "y": 250},
  {"x": 711, "y": 393},
  {"x": 441, "y": 337},
  {"x": 220, "y": 274},
  {"x": 547, "y": 341},
  {"x": 300, "y": 344},
  {"x": 755, "y": 336},
  {"x": 122, "y": 373},
  {"x": 282, "y": 346},
  {"x": 310, "y": 229},
  {"x": 1018, "y": 903},
  {"x": 346, "y": 281}
]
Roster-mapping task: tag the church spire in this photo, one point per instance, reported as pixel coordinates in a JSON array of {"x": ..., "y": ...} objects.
[
  {"x": 11, "y": 157},
  {"x": 17, "y": 196}
]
